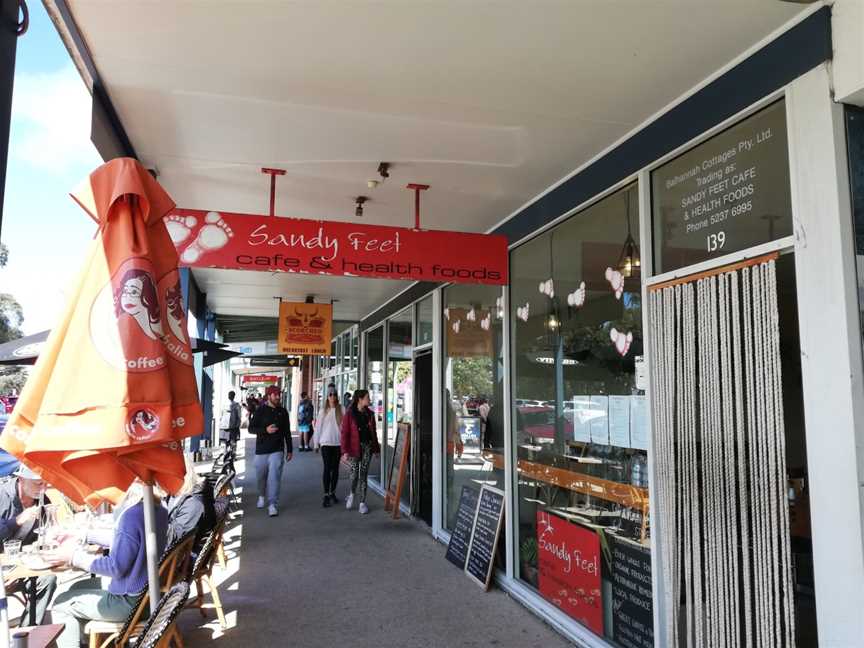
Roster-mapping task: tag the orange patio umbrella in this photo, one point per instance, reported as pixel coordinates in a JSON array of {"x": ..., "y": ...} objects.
[{"x": 114, "y": 389}]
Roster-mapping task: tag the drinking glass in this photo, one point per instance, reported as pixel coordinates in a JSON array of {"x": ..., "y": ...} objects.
[{"x": 12, "y": 548}]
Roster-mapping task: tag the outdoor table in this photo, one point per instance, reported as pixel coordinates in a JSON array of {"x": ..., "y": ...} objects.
[
  {"x": 40, "y": 636},
  {"x": 21, "y": 572}
]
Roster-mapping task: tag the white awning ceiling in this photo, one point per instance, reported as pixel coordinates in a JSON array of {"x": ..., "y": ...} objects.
[{"x": 488, "y": 102}]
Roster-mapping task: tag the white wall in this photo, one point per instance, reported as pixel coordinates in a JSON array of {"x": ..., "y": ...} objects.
[{"x": 847, "y": 28}]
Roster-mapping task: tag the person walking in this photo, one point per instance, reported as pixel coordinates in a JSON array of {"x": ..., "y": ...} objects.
[
  {"x": 229, "y": 426},
  {"x": 359, "y": 442},
  {"x": 327, "y": 437},
  {"x": 271, "y": 426},
  {"x": 305, "y": 416}
]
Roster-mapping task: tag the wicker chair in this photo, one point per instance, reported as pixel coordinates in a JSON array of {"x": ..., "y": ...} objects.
[
  {"x": 161, "y": 629},
  {"x": 172, "y": 567},
  {"x": 202, "y": 571}
]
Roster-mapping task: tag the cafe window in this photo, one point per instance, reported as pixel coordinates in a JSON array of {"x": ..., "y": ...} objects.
[
  {"x": 424, "y": 322},
  {"x": 400, "y": 388},
  {"x": 473, "y": 392},
  {"x": 374, "y": 349},
  {"x": 580, "y": 420}
]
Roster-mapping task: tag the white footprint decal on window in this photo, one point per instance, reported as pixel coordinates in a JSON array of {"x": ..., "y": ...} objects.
[
  {"x": 576, "y": 299},
  {"x": 616, "y": 280},
  {"x": 213, "y": 236},
  {"x": 486, "y": 322},
  {"x": 180, "y": 227},
  {"x": 523, "y": 312},
  {"x": 457, "y": 325},
  {"x": 547, "y": 288},
  {"x": 621, "y": 341}
]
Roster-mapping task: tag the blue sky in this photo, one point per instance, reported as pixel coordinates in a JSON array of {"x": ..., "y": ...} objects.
[{"x": 50, "y": 153}]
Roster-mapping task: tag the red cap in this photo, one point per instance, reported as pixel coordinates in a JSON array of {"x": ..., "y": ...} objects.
[{"x": 272, "y": 389}]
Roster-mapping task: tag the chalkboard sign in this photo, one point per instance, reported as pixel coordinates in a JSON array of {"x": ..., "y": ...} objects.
[
  {"x": 727, "y": 194},
  {"x": 402, "y": 432},
  {"x": 484, "y": 539},
  {"x": 632, "y": 599},
  {"x": 457, "y": 549}
]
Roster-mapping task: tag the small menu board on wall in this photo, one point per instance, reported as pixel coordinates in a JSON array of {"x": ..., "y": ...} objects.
[
  {"x": 457, "y": 549},
  {"x": 632, "y": 598},
  {"x": 727, "y": 194},
  {"x": 484, "y": 537}
]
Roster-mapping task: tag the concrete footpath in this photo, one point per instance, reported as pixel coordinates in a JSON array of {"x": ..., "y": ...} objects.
[{"x": 318, "y": 576}]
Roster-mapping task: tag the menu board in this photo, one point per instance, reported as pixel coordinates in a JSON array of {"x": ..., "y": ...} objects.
[
  {"x": 632, "y": 598},
  {"x": 457, "y": 549},
  {"x": 484, "y": 539},
  {"x": 568, "y": 559},
  {"x": 402, "y": 432},
  {"x": 727, "y": 194}
]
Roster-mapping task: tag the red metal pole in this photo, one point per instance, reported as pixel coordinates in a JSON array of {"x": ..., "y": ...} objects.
[
  {"x": 417, "y": 189},
  {"x": 273, "y": 173}
]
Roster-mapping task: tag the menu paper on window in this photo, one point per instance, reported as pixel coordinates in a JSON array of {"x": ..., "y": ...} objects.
[
  {"x": 639, "y": 422},
  {"x": 582, "y": 419},
  {"x": 619, "y": 421},
  {"x": 568, "y": 560},
  {"x": 600, "y": 420}
]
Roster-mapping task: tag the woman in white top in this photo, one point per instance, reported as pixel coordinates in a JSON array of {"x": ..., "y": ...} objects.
[{"x": 327, "y": 437}]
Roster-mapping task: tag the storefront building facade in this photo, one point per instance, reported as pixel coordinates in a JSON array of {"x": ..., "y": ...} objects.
[{"x": 545, "y": 389}]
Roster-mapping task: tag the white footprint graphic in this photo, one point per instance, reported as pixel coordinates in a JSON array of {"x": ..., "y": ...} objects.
[
  {"x": 214, "y": 235},
  {"x": 621, "y": 341},
  {"x": 180, "y": 227},
  {"x": 616, "y": 280}
]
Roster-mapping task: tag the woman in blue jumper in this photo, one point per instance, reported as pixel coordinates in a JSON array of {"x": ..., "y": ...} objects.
[{"x": 125, "y": 565}]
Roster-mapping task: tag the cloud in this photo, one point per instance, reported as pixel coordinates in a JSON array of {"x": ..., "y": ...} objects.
[{"x": 51, "y": 121}]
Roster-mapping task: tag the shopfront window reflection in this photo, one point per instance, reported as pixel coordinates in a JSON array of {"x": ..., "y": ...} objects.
[
  {"x": 400, "y": 391},
  {"x": 375, "y": 384},
  {"x": 580, "y": 420},
  {"x": 473, "y": 382}
]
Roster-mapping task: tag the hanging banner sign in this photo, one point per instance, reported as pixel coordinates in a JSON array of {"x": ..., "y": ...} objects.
[
  {"x": 272, "y": 244},
  {"x": 305, "y": 329},
  {"x": 568, "y": 557}
]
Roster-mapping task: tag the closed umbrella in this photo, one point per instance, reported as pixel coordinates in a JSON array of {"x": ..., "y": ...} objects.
[{"x": 114, "y": 389}]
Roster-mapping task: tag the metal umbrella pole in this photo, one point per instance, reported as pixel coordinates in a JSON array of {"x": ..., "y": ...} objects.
[{"x": 150, "y": 545}]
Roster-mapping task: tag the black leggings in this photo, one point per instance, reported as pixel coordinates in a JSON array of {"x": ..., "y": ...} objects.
[{"x": 330, "y": 456}]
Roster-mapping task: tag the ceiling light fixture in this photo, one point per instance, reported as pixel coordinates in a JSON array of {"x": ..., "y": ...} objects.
[
  {"x": 384, "y": 170},
  {"x": 359, "y": 202}
]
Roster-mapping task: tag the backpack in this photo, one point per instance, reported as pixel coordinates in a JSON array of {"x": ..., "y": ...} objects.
[{"x": 305, "y": 411}]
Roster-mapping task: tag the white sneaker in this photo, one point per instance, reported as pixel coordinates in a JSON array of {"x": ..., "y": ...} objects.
[
  {"x": 271, "y": 511},
  {"x": 260, "y": 502},
  {"x": 349, "y": 501},
  {"x": 363, "y": 508}
]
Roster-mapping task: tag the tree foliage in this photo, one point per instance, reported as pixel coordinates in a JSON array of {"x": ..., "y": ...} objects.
[
  {"x": 472, "y": 376},
  {"x": 12, "y": 379}
]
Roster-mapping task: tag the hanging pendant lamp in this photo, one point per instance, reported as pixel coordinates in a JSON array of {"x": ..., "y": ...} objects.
[{"x": 629, "y": 257}]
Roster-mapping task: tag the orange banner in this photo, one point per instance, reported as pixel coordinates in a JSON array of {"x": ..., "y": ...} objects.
[{"x": 305, "y": 329}]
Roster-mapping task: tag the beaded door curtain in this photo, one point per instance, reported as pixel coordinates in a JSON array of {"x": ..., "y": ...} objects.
[{"x": 720, "y": 459}]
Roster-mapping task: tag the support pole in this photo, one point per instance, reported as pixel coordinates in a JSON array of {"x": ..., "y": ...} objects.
[
  {"x": 151, "y": 546},
  {"x": 417, "y": 188},
  {"x": 273, "y": 173}
]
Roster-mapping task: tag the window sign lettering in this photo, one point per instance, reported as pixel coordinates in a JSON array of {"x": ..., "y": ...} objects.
[{"x": 725, "y": 195}]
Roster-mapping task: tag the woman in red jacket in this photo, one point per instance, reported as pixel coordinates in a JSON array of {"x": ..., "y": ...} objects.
[{"x": 359, "y": 442}]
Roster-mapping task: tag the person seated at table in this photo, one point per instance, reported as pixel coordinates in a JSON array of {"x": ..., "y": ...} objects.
[
  {"x": 125, "y": 565},
  {"x": 190, "y": 509},
  {"x": 19, "y": 516}
]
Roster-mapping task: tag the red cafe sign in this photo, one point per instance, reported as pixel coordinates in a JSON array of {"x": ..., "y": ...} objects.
[
  {"x": 266, "y": 243},
  {"x": 260, "y": 379},
  {"x": 568, "y": 561}
]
